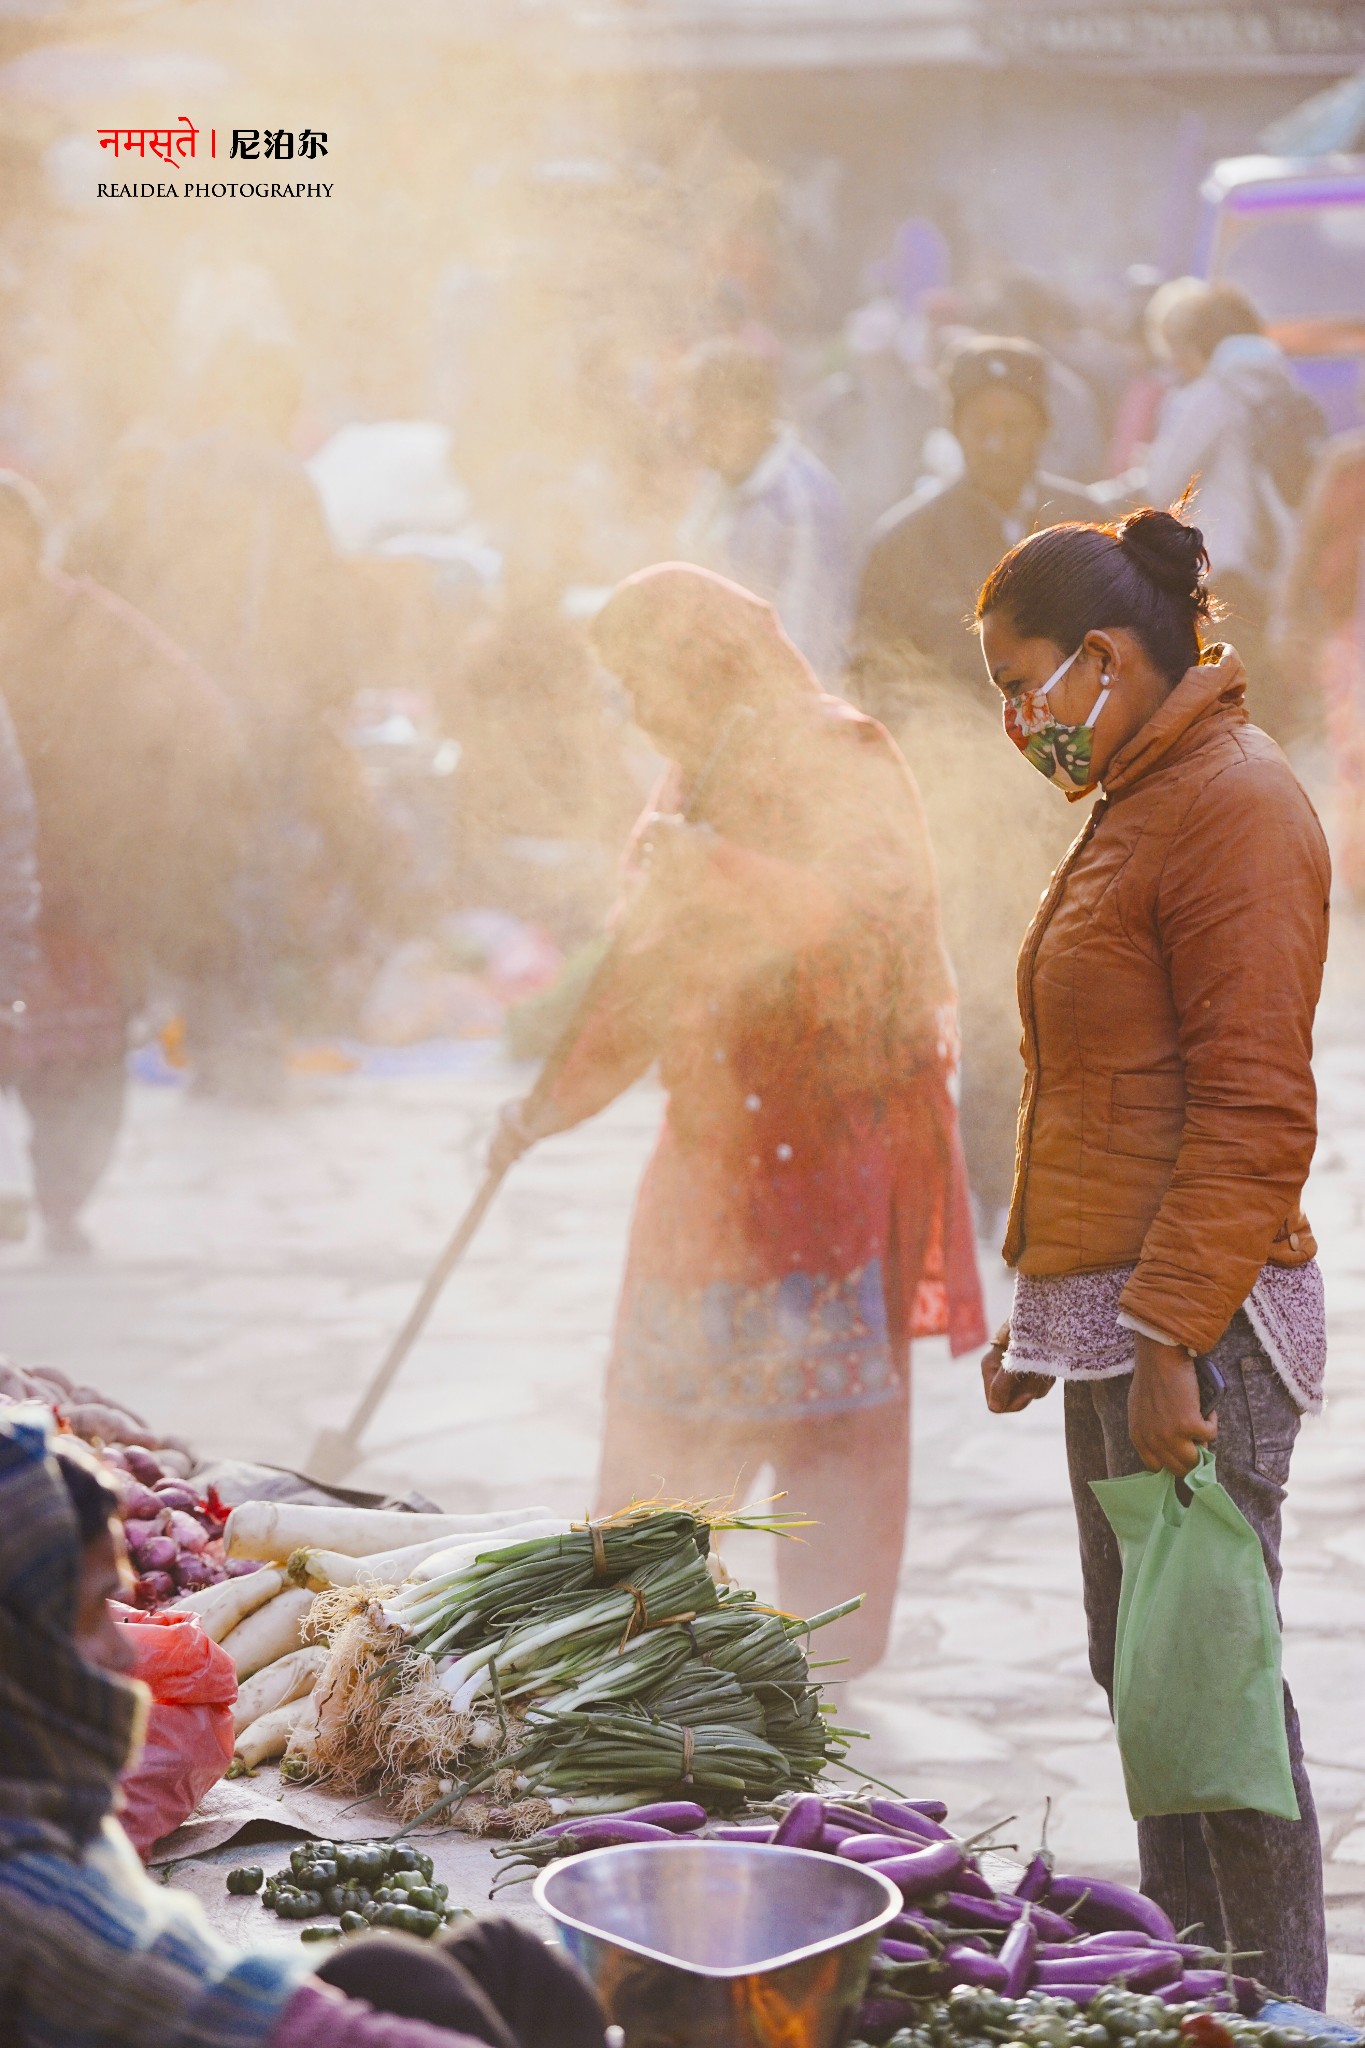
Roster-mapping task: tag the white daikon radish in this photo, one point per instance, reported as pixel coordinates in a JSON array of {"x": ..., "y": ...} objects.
[
  {"x": 274, "y": 1530},
  {"x": 271, "y": 1632},
  {"x": 458, "y": 1555},
  {"x": 269, "y": 1735},
  {"x": 298, "y": 1759},
  {"x": 223, "y": 1606},
  {"x": 288, "y": 1678},
  {"x": 324, "y": 1568}
]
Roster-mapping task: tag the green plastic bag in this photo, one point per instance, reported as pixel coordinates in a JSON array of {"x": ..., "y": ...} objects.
[{"x": 1198, "y": 1700}]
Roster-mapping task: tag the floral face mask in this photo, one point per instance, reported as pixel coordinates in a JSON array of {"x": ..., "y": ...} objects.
[{"x": 1059, "y": 751}]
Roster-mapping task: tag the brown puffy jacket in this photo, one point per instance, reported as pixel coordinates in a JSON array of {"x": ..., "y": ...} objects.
[{"x": 1167, "y": 987}]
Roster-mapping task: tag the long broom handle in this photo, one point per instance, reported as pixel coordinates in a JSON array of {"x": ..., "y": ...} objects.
[
  {"x": 550, "y": 1071},
  {"x": 424, "y": 1304}
]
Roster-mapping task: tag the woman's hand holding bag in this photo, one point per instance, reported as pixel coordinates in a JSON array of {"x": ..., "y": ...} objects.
[{"x": 1165, "y": 1421}]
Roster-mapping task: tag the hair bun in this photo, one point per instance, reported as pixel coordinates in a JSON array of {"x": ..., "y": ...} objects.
[{"x": 1170, "y": 553}]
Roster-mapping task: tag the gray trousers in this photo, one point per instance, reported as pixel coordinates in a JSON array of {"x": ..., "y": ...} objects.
[
  {"x": 1252, "y": 1880},
  {"x": 75, "y": 1111}
]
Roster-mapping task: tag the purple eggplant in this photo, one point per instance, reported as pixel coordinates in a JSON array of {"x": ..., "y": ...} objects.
[
  {"x": 927, "y": 1870},
  {"x": 802, "y": 1825},
  {"x": 1098, "y": 1904},
  {"x": 1079, "y": 1994},
  {"x": 670, "y": 1816},
  {"x": 877, "y": 1848},
  {"x": 831, "y": 1835},
  {"x": 1054, "y": 1950},
  {"x": 880, "y": 2017},
  {"x": 970, "y": 1911},
  {"x": 966, "y": 1910},
  {"x": 905, "y": 1952},
  {"x": 607, "y": 1831},
  {"x": 1040, "y": 1866},
  {"x": 1100, "y": 1966},
  {"x": 1195, "y": 1984},
  {"x": 679, "y": 1816},
  {"x": 1249, "y": 1995},
  {"x": 907, "y": 1819},
  {"x": 909, "y": 1927},
  {"x": 1211, "y": 1987},
  {"x": 1137, "y": 1969},
  {"x": 1051, "y": 1926},
  {"x": 922, "y": 1927},
  {"x": 1208, "y": 1987},
  {"x": 1092, "y": 1944},
  {"x": 743, "y": 1834},
  {"x": 1016, "y": 1956},
  {"x": 857, "y": 1818},
  {"x": 932, "y": 1809},
  {"x": 973, "y": 1884},
  {"x": 1116, "y": 1937},
  {"x": 963, "y": 1965},
  {"x": 1036, "y": 1877}
]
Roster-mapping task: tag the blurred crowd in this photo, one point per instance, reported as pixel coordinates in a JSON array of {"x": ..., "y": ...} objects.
[{"x": 303, "y": 742}]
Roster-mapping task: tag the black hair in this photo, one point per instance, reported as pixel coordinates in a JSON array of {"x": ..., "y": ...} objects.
[
  {"x": 92, "y": 1497},
  {"x": 1146, "y": 574}
]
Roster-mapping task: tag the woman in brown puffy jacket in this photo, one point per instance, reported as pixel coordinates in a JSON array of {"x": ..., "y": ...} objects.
[{"x": 1167, "y": 987}]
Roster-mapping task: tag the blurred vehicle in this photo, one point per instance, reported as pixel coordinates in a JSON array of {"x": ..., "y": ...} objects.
[{"x": 1290, "y": 233}]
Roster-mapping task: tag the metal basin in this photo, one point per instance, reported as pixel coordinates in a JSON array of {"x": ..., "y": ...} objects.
[{"x": 720, "y": 1944}]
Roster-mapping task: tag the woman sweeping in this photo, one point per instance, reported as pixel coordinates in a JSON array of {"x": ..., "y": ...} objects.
[
  {"x": 1168, "y": 985},
  {"x": 805, "y": 1213}
]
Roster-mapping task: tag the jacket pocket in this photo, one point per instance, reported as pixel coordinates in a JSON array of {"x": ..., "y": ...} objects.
[
  {"x": 1274, "y": 1417},
  {"x": 1146, "y": 1115}
]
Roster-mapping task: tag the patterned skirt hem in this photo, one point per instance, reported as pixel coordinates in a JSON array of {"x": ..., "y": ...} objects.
[{"x": 795, "y": 1411}]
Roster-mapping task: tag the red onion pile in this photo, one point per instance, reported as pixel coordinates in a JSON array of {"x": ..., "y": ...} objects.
[{"x": 174, "y": 1533}]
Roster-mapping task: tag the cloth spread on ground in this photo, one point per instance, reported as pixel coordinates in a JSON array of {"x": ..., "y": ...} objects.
[{"x": 1067, "y": 1325}]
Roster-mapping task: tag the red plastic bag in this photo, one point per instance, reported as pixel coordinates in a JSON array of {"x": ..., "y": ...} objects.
[{"x": 189, "y": 1730}]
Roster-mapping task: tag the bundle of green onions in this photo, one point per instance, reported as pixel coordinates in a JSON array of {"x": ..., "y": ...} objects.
[
  {"x": 498, "y": 1586},
  {"x": 600, "y": 1663},
  {"x": 634, "y": 1751},
  {"x": 698, "y": 1694},
  {"x": 559, "y": 1639}
]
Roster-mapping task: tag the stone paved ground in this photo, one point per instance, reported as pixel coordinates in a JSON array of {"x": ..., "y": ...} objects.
[{"x": 252, "y": 1266}]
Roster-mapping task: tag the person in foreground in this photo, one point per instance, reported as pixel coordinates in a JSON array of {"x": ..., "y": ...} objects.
[
  {"x": 94, "y": 1953},
  {"x": 805, "y": 1214},
  {"x": 1167, "y": 985}
]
